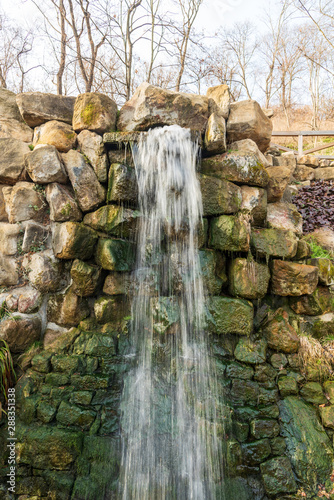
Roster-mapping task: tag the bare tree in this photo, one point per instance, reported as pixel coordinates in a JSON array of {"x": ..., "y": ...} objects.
[
  {"x": 270, "y": 47},
  {"x": 15, "y": 46},
  {"x": 183, "y": 31},
  {"x": 241, "y": 42}
]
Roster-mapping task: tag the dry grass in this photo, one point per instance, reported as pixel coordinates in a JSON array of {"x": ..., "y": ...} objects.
[{"x": 317, "y": 356}]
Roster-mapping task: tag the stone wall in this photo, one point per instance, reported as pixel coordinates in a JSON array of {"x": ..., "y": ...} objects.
[{"x": 69, "y": 216}]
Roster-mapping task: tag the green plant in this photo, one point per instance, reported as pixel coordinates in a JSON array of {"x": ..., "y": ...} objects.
[
  {"x": 31, "y": 147},
  {"x": 7, "y": 372},
  {"x": 3, "y": 310},
  {"x": 317, "y": 251}
]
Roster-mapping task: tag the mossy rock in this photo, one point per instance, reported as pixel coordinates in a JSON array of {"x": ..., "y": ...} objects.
[
  {"x": 256, "y": 452},
  {"x": 122, "y": 185},
  {"x": 236, "y": 168},
  {"x": 274, "y": 242},
  {"x": 248, "y": 279},
  {"x": 230, "y": 233},
  {"x": 85, "y": 278},
  {"x": 117, "y": 221},
  {"x": 70, "y": 414},
  {"x": 213, "y": 270},
  {"x": 219, "y": 196},
  {"x": 249, "y": 351},
  {"x": 115, "y": 254},
  {"x": 312, "y": 393},
  {"x": 278, "y": 476},
  {"x": 326, "y": 270},
  {"x": 229, "y": 316},
  {"x": 50, "y": 448},
  {"x": 308, "y": 446}
]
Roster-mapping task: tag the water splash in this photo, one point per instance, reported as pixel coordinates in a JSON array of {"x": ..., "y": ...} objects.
[{"x": 169, "y": 423}]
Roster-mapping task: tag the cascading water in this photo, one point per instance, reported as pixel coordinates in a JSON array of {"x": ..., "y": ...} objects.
[{"x": 169, "y": 424}]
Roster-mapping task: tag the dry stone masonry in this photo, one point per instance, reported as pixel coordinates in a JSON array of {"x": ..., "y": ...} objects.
[{"x": 68, "y": 222}]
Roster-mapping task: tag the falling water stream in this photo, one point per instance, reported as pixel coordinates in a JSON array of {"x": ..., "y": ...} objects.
[{"x": 169, "y": 424}]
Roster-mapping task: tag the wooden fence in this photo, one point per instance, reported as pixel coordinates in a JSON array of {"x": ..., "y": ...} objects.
[{"x": 301, "y": 135}]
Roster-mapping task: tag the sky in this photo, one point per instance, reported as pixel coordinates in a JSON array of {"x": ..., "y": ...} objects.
[{"x": 214, "y": 13}]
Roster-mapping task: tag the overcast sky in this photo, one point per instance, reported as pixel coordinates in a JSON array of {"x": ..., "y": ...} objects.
[{"x": 214, "y": 13}]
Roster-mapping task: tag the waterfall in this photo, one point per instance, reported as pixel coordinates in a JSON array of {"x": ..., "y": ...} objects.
[{"x": 170, "y": 446}]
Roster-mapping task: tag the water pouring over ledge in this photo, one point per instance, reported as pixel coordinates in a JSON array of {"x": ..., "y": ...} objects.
[{"x": 170, "y": 447}]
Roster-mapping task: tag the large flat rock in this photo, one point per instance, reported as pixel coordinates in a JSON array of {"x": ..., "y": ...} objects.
[
  {"x": 37, "y": 108},
  {"x": 152, "y": 106}
]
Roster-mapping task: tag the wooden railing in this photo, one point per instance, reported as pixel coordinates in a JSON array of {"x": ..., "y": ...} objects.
[{"x": 301, "y": 135}]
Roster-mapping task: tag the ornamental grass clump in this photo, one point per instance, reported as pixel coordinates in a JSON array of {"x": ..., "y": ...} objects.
[
  {"x": 314, "y": 355},
  {"x": 7, "y": 372}
]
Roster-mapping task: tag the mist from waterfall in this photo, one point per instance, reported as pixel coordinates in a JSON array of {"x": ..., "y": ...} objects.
[{"x": 170, "y": 448}]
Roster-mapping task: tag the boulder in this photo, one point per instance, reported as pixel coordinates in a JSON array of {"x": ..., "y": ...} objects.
[
  {"x": 115, "y": 254},
  {"x": 220, "y": 95},
  {"x": 248, "y": 279},
  {"x": 247, "y": 147},
  {"x": 278, "y": 477},
  {"x": 215, "y": 135},
  {"x": 109, "y": 309},
  {"x": 239, "y": 167},
  {"x": 8, "y": 271},
  {"x": 94, "y": 111},
  {"x": 318, "y": 327},
  {"x": 231, "y": 233},
  {"x": 85, "y": 278},
  {"x": 280, "y": 335},
  {"x": 312, "y": 393},
  {"x": 287, "y": 386},
  {"x": 36, "y": 237},
  {"x": 24, "y": 202},
  {"x": 88, "y": 191},
  {"x": 72, "y": 240},
  {"x": 284, "y": 216},
  {"x": 247, "y": 121},
  {"x": 118, "y": 283},
  {"x": 326, "y": 174},
  {"x": 91, "y": 145},
  {"x": 329, "y": 390},
  {"x": 287, "y": 160},
  {"x": 12, "y": 160},
  {"x": 37, "y": 108},
  {"x": 57, "y": 134},
  {"x": 274, "y": 242},
  {"x": 57, "y": 338},
  {"x": 45, "y": 272},
  {"x": 152, "y": 106},
  {"x": 44, "y": 165},
  {"x": 3, "y": 213},
  {"x": 310, "y": 161},
  {"x": 114, "y": 220},
  {"x": 324, "y": 236},
  {"x": 308, "y": 305},
  {"x": 326, "y": 270},
  {"x": 25, "y": 300},
  {"x": 219, "y": 196},
  {"x": 256, "y": 452},
  {"x": 249, "y": 351},
  {"x": 63, "y": 206},
  {"x": 279, "y": 178},
  {"x": 122, "y": 185},
  {"x": 265, "y": 428},
  {"x": 47, "y": 447},
  {"x": 230, "y": 316},
  {"x": 303, "y": 173},
  {"x": 308, "y": 446},
  {"x": 303, "y": 250},
  {"x": 8, "y": 107},
  {"x": 290, "y": 278},
  {"x": 11, "y": 122},
  {"x": 15, "y": 129},
  {"x": 67, "y": 309},
  {"x": 9, "y": 234},
  {"x": 254, "y": 202},
  {"x": 21, "y": 331},
  {"x": 212, "y": 270}
]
